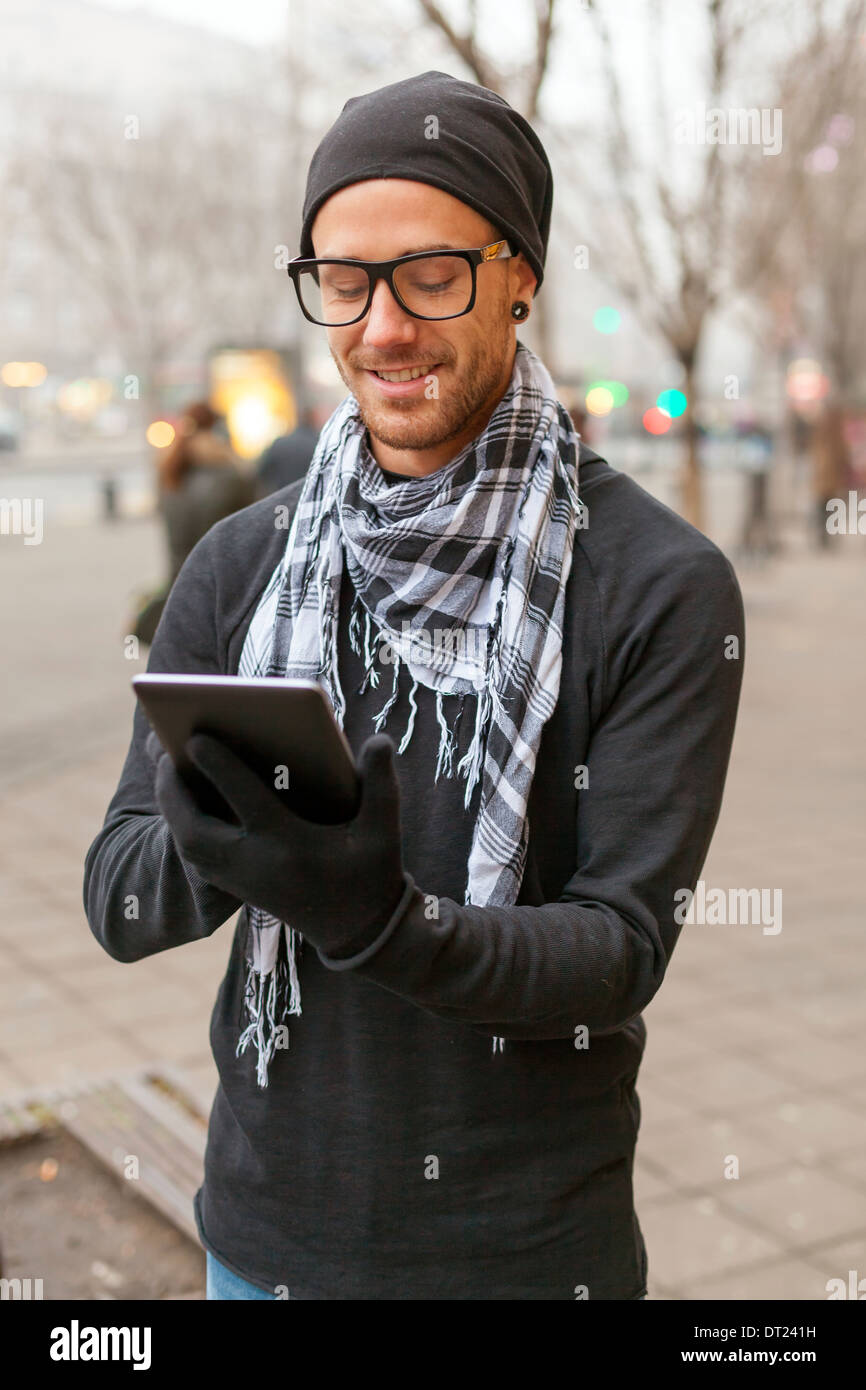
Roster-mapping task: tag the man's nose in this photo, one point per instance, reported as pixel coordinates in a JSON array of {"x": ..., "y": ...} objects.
[{"x": 387, "y": 322}]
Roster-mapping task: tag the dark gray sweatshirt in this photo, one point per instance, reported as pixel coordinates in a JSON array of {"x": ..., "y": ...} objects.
[{"x": 394, "y": 1154}]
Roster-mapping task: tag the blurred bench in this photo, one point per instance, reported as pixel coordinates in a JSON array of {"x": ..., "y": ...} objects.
[{"x": 149, "y": 1127}]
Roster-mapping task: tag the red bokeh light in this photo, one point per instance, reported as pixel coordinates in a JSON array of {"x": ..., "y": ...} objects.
[{"x": 656, "y": 421}]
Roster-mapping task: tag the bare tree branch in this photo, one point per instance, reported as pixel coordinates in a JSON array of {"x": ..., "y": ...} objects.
[
  {"x": 619, "y": 154},
  {"x": 543, "y": 44},
  {"x": 464, "y": 45}
]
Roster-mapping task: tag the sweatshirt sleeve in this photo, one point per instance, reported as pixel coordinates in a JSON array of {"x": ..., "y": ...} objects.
[
  {"x": 140, "y": 896},
  {"x": 657, "y": 762}
]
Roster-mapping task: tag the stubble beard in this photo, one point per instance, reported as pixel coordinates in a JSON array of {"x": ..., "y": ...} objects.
[{"x": 424, "y": 424}]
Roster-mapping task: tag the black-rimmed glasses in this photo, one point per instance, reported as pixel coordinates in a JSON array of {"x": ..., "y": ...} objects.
[{"x": 427, "y": 284}]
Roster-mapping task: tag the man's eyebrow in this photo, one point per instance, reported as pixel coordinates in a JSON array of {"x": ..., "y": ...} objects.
[{"x": 410, "y": 251}]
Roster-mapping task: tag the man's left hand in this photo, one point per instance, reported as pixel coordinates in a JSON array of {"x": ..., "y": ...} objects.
[{"x": 334, "y": 883}]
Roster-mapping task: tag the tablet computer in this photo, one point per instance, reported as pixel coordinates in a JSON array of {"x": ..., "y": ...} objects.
[{"x": 284, "y": 729}]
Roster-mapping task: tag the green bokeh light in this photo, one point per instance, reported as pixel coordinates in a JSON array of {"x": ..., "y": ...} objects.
[
  {"x": 606, "y": 320},
  {"x": 617, "y": 389},
  {"x": 672, "y": 402}
]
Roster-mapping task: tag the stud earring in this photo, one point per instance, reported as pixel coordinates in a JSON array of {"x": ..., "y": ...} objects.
[{"x": 519, "y": 310}]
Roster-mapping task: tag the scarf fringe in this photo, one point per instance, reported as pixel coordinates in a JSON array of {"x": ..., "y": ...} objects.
[
  {"x": 262, "y": 990},
  {"x": 447, "y": 742},
  {"x": 411, "y": 724},
  {"x": 383, "y": 712}
]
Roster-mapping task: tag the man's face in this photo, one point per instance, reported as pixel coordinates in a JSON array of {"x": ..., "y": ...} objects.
[{"x": 470, "y": 356}]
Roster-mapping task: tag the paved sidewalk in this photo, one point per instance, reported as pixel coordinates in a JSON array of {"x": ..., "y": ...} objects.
[
  {"x": 67, "y": 1010},
  {"x": 756, "y": 1041}
]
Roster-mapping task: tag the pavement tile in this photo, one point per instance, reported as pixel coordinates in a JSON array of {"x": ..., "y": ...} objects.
[
  {"x": 12, "y": 1079},
  {"x": 851, "y": 1167},
  {"x": 690, "y": 1238},
  {"x": 21, "y": 988},
  {"x": 663, "y": 1010},
  {"x": 38, "y": 917},
  {"x": 646, "y": 1185},
  {"x": 655, "y": 1294},
  {"x": 182, "y": 1040},
  {"x": 58, "y": 952},
  {"x": 838, "y": 1260},
  {"x": 100, "y": 1056},
  {"x": 20, "y": 840},
  {"x": 658, "y": 1126},
  {"x": 836, "y": 1013},
  {"x": 17, "y": 892},
  {"x": 799, "y": 1205},
  {"x": 690, "y": 990},
  {"x": 818, "y": 1060},
  {"x": 811, "y": 1127},
  {"x": 140, "y": 1007},
  {"x": 669, "y": 1046},
  {"x": 780, "y": 1280},
  {"x": 753, "y": 1028},
  {"x": 54, "y": 925},
  {"x": 711, "y": 1085},
  {"x": 22, "y": 1029},
  {"x": 91, "y": 978},
  {"x": 700, "y": 1153},
  {"x": 660, "y": 1101}
]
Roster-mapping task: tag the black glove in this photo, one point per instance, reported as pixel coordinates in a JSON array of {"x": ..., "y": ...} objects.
[{"x": 336, "y": 884}]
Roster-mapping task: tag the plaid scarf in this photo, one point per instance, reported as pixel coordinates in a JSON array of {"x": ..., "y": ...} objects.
[{"x": 463, "y": 573}]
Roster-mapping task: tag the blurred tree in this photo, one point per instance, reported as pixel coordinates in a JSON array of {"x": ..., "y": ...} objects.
[
  {"x": 166, "y": 232},
  {"x": 664, "y": 238},
  {"x": 674, "y": 210},
  {"x": 521, "y": 86},
  {"x": 819, "y": 257},
  {"x": 811, "y": 289}
]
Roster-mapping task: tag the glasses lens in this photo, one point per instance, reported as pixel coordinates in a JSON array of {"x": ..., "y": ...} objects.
[
  {"x": 435, "y": 286},
  {"x": 333, "y": 294}
]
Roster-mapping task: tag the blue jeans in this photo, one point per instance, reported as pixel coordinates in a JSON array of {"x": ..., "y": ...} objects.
[{"x": 221, "y": 1283}]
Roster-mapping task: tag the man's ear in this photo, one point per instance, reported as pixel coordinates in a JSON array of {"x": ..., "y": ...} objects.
[{"x": 523, "y": 278}]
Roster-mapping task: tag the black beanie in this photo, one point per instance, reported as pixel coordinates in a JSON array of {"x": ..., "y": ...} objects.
[{"x": 479, "y": 149}]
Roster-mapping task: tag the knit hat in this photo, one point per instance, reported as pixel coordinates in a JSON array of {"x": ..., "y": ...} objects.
[{"x": 455, "y": 135}]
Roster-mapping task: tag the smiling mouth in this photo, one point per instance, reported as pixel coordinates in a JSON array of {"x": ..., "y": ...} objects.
[{"x": 404, "y": 374}]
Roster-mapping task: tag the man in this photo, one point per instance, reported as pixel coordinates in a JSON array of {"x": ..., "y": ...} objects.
[{"x": 430, "y": 1029}]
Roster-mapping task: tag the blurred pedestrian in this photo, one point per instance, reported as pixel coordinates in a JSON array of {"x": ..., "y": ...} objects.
[
  {"x": 755, "y": 458},
  {"x": 831, "y": 465},
  {"x": 200, "y": 481},
  {"x": 288, "y": 457}
]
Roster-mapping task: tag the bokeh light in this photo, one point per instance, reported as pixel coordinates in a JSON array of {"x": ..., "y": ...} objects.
[
  {"x": 805, "y": 381},
  {"x": 672, "y": 403},
  {"x": 23, "y": 373},
  {"x": 160, "y": 434},
  {"x": 249, "y": 387},
  {"x": 84, "y": 397},
  {"x": 606, "y": 320},
  {"x": 840, "y": 130},
  {"x": 599, "y": 401},
  {"x": 822, "y": 160},
  {"x": 617, "y": 390},
  {"x": 656, "y": 421}
]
